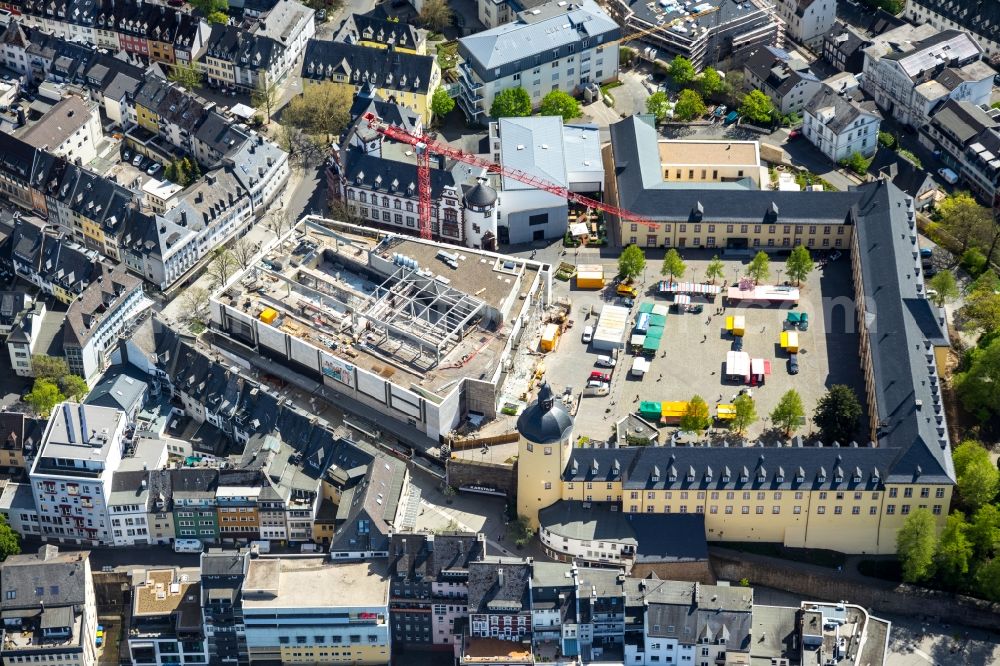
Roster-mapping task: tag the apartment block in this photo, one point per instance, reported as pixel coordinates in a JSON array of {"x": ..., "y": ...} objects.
[
  {"x": 786, "y": 79},
  {"x": 708, "y": 34},
  {"x": 49, "y": 608},
  {"x": 981, "y": 20},
  {"x": 807, "y": 21},
  {"x": 429, "y": 578},
  {"x": 554, "y": 46},
  {"x": 222, "y": 576},
  {"x": 840, "y": 125},
  {"x": 911, "y": 70},
  {"x": 166, "y": 623},
  {"x": 292, "y": 618},
  {"x": 967, "y": 137}
]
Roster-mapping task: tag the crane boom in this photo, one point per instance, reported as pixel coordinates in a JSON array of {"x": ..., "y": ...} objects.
[
  {"x": 664, "y": 26},
  {"x": 426, "y": 145}
]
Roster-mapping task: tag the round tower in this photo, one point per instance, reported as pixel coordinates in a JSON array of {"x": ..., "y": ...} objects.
[
  {"x": 481, "y": 216},
  {"x": 544, "y": 447}
]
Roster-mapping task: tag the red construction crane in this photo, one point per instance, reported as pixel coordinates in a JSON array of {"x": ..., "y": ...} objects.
[{"x": 425, "y": 146}]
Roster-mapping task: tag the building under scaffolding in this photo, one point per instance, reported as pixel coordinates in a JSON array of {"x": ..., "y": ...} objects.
[{"x": 419, "y": 330}]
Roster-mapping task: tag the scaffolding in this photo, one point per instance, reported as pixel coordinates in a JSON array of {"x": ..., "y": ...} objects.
[{"x": 423, "y": 310}]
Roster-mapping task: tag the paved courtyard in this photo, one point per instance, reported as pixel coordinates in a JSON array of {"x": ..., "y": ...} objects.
[{"x": 692, "y": 357}]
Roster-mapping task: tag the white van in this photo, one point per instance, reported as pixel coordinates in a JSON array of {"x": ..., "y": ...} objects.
[
  {"x": 188, "y": 546},
  {"x": 948, "y": 175},
  {"x": 588, "y": 334}
]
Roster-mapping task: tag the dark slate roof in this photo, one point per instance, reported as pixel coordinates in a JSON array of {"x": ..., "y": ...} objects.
[
  {"x": 637, "y": 169},
  {"x": 194, "y": 482},
  {"x": 487, "y": 594},
  {"x": 17, "y": 158},
  {"x": 375, "y": 173},
  {"x": 367, "y": 99},
  {"x": 983, "y": 19},
  {"x": 241, "y": 47},
  {"x": 109, "y": 288},
  {"x": 902, "y": 326},
  {"x": 692, "y": 613},
  {"x": 78, "y": 12},
  {"x": 224, "y": 563},
  {"x": 425, "y": 557},
  {"x": 675, "y": 537},
  {"x": 386, "y": 68},
  {"x": 481, "y": 195},
  {"x": 962, "y": 121},
  {"x": 47, "y": 577},
  {"x": 119, "y": 389},
  {"x": 845, "y": 110},
  {"x": 771, "y": 65},
  {"x": 546, "y": 420},
  {"x": 361, "y": 27},
  {"x": 367, "y": 518},
  {"x": 903, "y": 173}
]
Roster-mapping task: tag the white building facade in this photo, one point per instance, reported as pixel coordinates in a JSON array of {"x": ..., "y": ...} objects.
[
  {"x": 807, "y": 21},
  {"x": 72, "y": 474},
  {"x": 839, "y": 126}
]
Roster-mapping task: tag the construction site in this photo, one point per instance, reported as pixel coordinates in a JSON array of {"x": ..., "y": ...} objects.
[{"x": 421, "y": 331}]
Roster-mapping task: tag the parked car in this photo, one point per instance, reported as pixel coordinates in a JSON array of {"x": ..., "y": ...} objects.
[
  {"x": 594, "y": 383},
  {"x": 600, "y": 376},
  {"x": 930, "y": 271},
  {"x": 126, "y": 155},
  {"x": 588, "y": 334},
  {"x": 153, "y": 168},
  {"x": 793, "y": 364},
  {"x": 738, "y": 343},
  {"x": 926, "y": 252},
  {"x": 950, "y": 176},
  {"x": 606, "y": 361},
  {"x": 138, "y": 160},
  {"x": 794, "y": 134}
]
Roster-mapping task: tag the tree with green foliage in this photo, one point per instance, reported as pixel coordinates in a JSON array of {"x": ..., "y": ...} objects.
[
  {"x": 886, "y": 139},
  {"x": 511, "y": 103},
  {"x": 442, "y": 103},
  {"x": 208, "y": 7},
  {"x": 673, "y": 266},
  {"x": 10, "y": 541},
  {"x": 757, "y": 107},
  {"x": 837, "y": 415},
  {"x": 734, "y": 92},
  {"x": 521, "y": 531},
  {"x": 715, "y": 269},
  {"x": 789, "y": 412},
  {"x": 954, "y": 550},
  {"x": 44, "y": 396},
  {"x": 681, "y": 71},
  {"x": 982, "y": 304},
  {"x": 187, "y": 75},
  {"x": 711, "y": 83},
  {"x": 74, "y": 387},
  {"x": 657, "y": 105},
  {"x": 265, "y": 96},
  {"x": 689, "y": 105},
  {"x": 916, "y": 543},
  {"x": 744, "y": 413},
  {"x": 759, "y": 267},
  {"x": 988, "y": 579},
  {"x": 436, "y": 14},
  {"x": 977, "y": 386},
  {"x": 695, "y": 417},
  {"x": 973, "y": 261},
  {"x": 558, "y": 103},
  {"x": 984, "y": 531},
  {"x": 857, "y": 163},
  {"x": 626, "y": 56},
  {"x": 631, "y": 262},
  {"x": 977, "y": 476},
  {"x": 962, "y": 217},
  {"x": 945, "y": 288},
  {"x": 799, "y": 264},
  {"x": 321, "y": 113},
  {"x": 50, "y": 368}
]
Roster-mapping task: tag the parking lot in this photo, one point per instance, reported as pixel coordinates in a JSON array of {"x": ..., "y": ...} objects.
[{"x": 692, "y": 356}]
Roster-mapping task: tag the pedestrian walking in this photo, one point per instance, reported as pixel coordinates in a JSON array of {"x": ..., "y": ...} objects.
[{"x": 703, "y": 338}]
